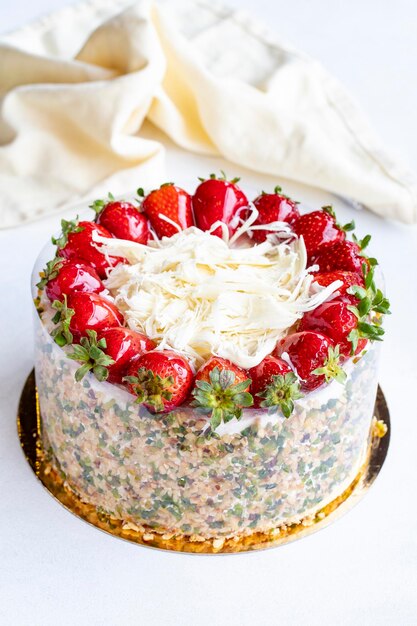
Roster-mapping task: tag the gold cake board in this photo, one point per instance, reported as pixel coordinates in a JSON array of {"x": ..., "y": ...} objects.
[{"x": 29, "y": 427}]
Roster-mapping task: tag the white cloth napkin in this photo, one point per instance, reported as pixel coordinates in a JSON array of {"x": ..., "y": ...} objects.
[{"x": 77, "y": 86}]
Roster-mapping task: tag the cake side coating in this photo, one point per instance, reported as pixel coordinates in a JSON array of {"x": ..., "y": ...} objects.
[{"x": 159, "y": 471}]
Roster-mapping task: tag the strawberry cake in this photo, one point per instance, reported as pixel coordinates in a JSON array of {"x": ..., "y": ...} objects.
[{"x": 206, "y": 364}]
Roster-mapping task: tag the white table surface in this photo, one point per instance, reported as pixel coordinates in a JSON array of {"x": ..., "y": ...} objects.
[{"x": 55, "y": 569}]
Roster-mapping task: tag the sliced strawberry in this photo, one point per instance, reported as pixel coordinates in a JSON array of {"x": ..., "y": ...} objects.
[
  {"x": 62, "y": 277},
  {"x": 273, "y": 207},
  {"x": 335, "y": 320},
  {"x": 343, "y": 255},
  {"x": 217, "y": 199},
  {"x": 124, "y": 346},
  {"x": 76, "y": 242},
  {"x": 161, "y": 380},
  {"x": 82, "y": 311},
  {"x": 171, "y": 202},
  {"x": 221, "y": 390},
  {"x": 274, "y": 385},
  {"x": 122, "y": 219},
  {"x": 320, "y": 229},
  {"x": 314, "y": 357}
]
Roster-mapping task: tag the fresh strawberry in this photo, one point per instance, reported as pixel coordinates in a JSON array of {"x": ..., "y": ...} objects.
[
  {"x": 217, "y": 199},
  {"x": 273, "y": 207},
  {"x": 348, "y": 279},
  {"x": 171, "y": 202},
  {"x": 221, "y": 390},
  {"x": 319, "y": 229},
  {"x": 343, "y": 255},
  {"x": 335, "y": 320},
  {"x": 62, "y": 277},
  {"x": 354, "y": 317},
  {"x": 314, "y": 357},
  {"x": 161, "y": 380},
  {"x": 82, "y": 311},
  {"x": 122, "y": 219},
  {"x": 274, "y": 385},
  {"x": 124, "y": 346},
  {"x": 76, "y": 242}
]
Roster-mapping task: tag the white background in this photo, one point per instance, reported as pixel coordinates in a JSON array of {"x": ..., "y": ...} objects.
[{"x": 362, "y": 571}]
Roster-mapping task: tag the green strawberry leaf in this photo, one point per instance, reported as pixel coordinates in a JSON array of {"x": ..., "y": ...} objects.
[
  {"x": 362, "y": 243},
  {"x": 82, "y": 371},
  {"x": 68, "y": 227},
  {"x": 62, "y": 318},
  {"x": 51, "y": 271},
  {"x": 364, "y": 306},
  {"x": 331, "y": 370},
  {"x": 98, "y": 205},
  {"x": 221, "y": 398},
  {"x": 358, "y": 291},
  {"x": 280, "y": 394},
  {"x": 150, "y": 388},
  {"x": 371, "y": 300},
  {"x": 353, "y": 337},
  {"x": 349, "y": 226},
  {"x": 90, "y": 353},
  {"x": 329, "y": 209}
]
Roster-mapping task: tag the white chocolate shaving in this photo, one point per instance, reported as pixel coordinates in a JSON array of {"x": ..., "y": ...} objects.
[{"x": 195, "y": 294}]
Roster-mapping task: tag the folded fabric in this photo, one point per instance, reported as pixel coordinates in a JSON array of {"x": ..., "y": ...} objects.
[{"x": 77, "y": 87}]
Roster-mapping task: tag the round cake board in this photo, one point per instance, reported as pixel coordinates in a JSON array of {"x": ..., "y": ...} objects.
[{"x": 29, "y": 430}]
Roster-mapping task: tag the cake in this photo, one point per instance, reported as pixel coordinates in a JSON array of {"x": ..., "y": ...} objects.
[{"x": 206, "y": 365}]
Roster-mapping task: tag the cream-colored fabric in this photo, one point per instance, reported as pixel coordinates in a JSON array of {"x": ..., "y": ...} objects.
[{"x": 77, "y": 87}]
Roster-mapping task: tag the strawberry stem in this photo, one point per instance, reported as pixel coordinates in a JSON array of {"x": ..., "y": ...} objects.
[
  {"x": 347, "y": 227},
  {"x": 278, "y": 191},
  {"x": 221, "y": 398},
  {"x": 281, "y": 393},
  {"x": 329, "y": 209},
  {"x": 68, "y": 227},
  {"x": 90, "y": 353},
  {"x": 151, "y": 389},
  {"x": 331, "y": 368},
  {"x": 51, "y": 271},
  {"x": 223, "y": 176},
  {"x": 362, "y": 243},
  {"x": 62, "y": 334},
  {"x": 98, "y": 205}
]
